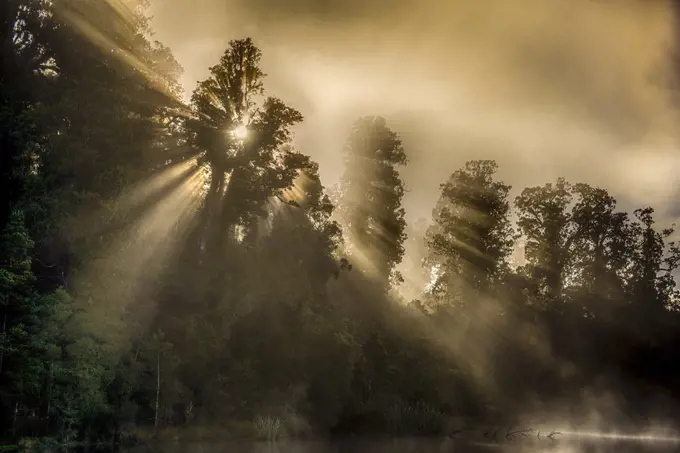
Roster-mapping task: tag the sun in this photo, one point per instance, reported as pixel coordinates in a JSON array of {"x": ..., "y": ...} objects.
[{"x": 240, "y": 132}]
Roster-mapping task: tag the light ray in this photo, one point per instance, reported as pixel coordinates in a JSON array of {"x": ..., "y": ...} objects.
[
  {"x": 137, "y": 194},
  {"x": 82, "y": 21},
  {"x": 118, "y": 275},
  {"x": 133, "y": 202}
]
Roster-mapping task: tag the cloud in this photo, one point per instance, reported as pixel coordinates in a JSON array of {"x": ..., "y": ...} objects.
[{"x": 546, "y": 87}]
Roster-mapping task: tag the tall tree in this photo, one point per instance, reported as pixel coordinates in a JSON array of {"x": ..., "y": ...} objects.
[
  {"x": 546, "y": 227},
  {"x": 655, "y": 259},
  {"x": 371, "y": 193},
  {"x": 471, "y": 237},
  {"x": 603, "y": 249},
  {"x": 265, "y": 218},
  {"x": 245, "y": 139},
  {"x": 110, "y": 98},
  {"x": 21, "y": 81}
]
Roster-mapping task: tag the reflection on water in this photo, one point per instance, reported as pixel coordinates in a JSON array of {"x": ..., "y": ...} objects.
[{"x": 411, "y": 446}]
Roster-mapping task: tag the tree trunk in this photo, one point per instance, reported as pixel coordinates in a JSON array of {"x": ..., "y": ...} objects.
[
  {"x": 3, "y": 329},
  {"x": 158, "y": 389},
  {"x": 14, "y": 419}
]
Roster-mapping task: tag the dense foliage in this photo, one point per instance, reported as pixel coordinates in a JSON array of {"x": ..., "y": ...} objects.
[{"x": 180, "y": 267}]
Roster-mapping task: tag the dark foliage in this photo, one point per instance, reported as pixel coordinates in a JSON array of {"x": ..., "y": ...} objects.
[{"x": 171, "y": 266}]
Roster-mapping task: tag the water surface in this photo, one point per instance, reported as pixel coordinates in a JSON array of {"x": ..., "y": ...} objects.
[{"x": 408, "y": 446}]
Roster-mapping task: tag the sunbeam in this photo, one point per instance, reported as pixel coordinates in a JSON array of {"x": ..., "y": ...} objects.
[{"x": 124, "y": 271}]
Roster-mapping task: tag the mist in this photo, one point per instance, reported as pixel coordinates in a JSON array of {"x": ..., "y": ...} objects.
[{"x": 547, "y": 88}]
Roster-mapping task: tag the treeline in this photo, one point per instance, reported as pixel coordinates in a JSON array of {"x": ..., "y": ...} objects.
[
  {"x": 173, "y": 267},
  {"x": 588, "y": 312}
]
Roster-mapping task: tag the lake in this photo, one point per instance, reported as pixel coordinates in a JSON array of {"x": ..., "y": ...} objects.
[{"x": 409, "y": 446}]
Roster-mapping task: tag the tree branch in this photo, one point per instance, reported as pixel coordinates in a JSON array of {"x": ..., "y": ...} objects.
[
  {"x": 523, "y": 432},
  {"x": 552, "y": 435}
]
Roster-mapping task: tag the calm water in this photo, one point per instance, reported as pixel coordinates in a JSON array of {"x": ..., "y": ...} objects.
[{"x": 410, "y": 446}]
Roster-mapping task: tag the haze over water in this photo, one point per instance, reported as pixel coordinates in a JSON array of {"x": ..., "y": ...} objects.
[{"x": 524, "y": 445}]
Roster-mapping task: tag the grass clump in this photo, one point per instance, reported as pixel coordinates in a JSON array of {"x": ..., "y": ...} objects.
[{"x": 268, "y": 428}]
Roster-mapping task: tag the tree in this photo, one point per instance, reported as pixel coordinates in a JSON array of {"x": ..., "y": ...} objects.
[
  {"x": 655, "y": 259},
  {"x": 244, "y": 138},
  {"x": 110, "y": 100},
  {"x": 471, "y": 237},
  {"x": 603, "y": 250},
  {"x": 263, "y": 249},
  {"x": 20, "y": 82},
  {"x": 30, "y": 329},
  {"x": 545, "y": 224},
  {"x": 371, "y": 192},
  {"x": 302, "y": 236}
]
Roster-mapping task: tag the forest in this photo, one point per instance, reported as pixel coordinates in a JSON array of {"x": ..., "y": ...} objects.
[{"x": 177, "y": 268}]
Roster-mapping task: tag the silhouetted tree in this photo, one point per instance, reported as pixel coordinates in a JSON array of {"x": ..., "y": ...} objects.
[
  {"x": 371, "y": 193},
  {"x": 546, "y": 227},
  {"x": 471, "y": 237},
  {"x": 250, "y": 166}
]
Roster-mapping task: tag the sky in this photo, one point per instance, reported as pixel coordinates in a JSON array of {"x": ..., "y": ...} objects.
[{"x": 547, "y": 88}]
